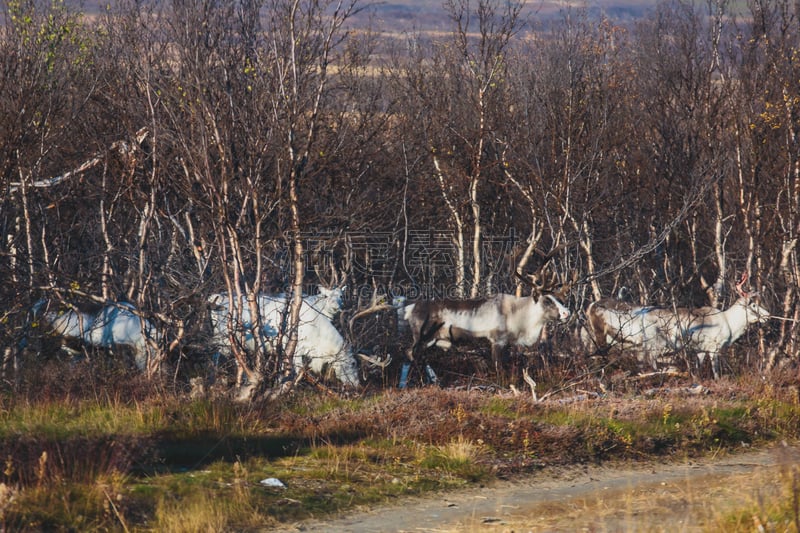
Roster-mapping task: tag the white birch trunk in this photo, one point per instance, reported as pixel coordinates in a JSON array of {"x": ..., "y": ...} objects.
[{"x": 458, "y": 241}]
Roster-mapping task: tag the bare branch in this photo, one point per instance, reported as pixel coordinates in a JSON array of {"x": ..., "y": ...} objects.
[{"x": 121, "y": 146}]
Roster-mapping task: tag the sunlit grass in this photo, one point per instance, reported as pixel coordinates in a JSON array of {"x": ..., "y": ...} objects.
[
  {"x": 54, "y": 420},
  {"x": 220, "y": 499},
  {"x": 773, "y": 505},
  {"x": 61, "y": 419},
  {"x": 457, "y": 457},
  {"x": 505, "y": 407},
  {"x": 459, "y": 450},
  {"x": 78, "y": 506},
  {"x": 200, "y": 512},
  {"x": 177, "y": 464}
]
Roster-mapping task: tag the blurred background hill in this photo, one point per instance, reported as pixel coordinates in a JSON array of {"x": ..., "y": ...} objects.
[{"x": 431, "y": 15}]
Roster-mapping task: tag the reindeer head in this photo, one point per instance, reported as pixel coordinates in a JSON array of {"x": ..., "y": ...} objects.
[
  {"x": 750, "y": 302},
  {"x": 330, "y": 300},
  {"x": 549, "y": 292}
]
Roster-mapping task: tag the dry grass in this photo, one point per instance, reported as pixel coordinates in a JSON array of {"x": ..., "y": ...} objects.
[
  {"x": 92, "y": 459},
  {"x": 460, "y": 450},
  {"x": 199, "y": 513},
  {"x": 742, "y": 502}
]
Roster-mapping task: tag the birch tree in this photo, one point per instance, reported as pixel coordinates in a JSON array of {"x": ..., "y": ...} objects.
[
  {"x": 461, "y": 94},
  {"x": 767, "y": 148},
  {"x": 303, "y": 39}
]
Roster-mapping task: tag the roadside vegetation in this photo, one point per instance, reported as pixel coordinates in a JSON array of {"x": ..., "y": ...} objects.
[
  {"x": 779, "y": 510},
  {"x": 127, "y": 454}
]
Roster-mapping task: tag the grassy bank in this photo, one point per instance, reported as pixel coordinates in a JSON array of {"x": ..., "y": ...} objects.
[{"x": 147, "y": 459}]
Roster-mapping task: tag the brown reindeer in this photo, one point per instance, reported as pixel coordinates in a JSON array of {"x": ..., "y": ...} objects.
[{"x": 502, "y": 319}]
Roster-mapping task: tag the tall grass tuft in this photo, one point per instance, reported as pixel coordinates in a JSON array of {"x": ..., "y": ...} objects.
[
  {"x": 458, "y": 457},
  {"x": 460, "y": 450},
  {"x": 198, "y": 512}
]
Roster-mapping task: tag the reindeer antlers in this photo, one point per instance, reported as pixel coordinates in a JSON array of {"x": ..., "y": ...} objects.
[
  {"x": 534, "y": 280},
  {"x": 376, "y": 305},
  {"x": 541, "y": 283},
  {"x": 550, "y": 283},
  {"x": 564, "y": 289},
  {"x": 741, "y": 283},
  {"x": 374, "y": 361}
]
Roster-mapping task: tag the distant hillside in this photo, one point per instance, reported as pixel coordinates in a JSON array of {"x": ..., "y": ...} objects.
[
  {"x": 407, "y": 15},
  {"x": 430, "y": 14}
]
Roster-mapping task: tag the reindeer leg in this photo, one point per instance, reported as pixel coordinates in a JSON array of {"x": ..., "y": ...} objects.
[
  {"x": 497, "y": 352},
  {"x": 410, "y": 353},
  {"x": 8, "y": 362},
  {"x": 422, "y": 370},
  {"x": 713, "y": 360},
  {"x": 431, "y": 375},
  {"x": 715, "y": 364},
  {"x": 496, "y": 359},
  {"x": 404, "y": 376}
]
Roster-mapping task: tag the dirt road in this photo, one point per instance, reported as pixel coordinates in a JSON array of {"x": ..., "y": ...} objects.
[{"x": 684, "y": 496}]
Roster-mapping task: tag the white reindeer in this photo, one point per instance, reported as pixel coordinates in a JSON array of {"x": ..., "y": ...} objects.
[
  {"x": 662, "y": 330},
  {"x": 320, "y": 346},
  {"x": 115, "y": 324},
  {"x": 611, "y": 322}
]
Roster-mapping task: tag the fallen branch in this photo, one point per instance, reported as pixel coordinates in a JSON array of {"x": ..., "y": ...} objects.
[
  {"x": 667, "y": 372},
  {"x": 121, "y": 146},
  {"x": 116, "y": 511},
  {"x": 695, "y": 390},
  {"x": 578, "y": 398}
]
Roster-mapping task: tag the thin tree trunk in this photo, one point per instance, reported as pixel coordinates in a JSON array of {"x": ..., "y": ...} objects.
[
  {"x": 460, "y": 280},
  {"x": 297, "y": 280},
  {"x": 28, "y": 229},
  {"x": 714, "y": 290},
  {"x": 475, "y": 203}
]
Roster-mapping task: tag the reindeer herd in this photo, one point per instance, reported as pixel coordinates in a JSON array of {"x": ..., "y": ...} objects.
[{"x": 653, "y": 334}]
